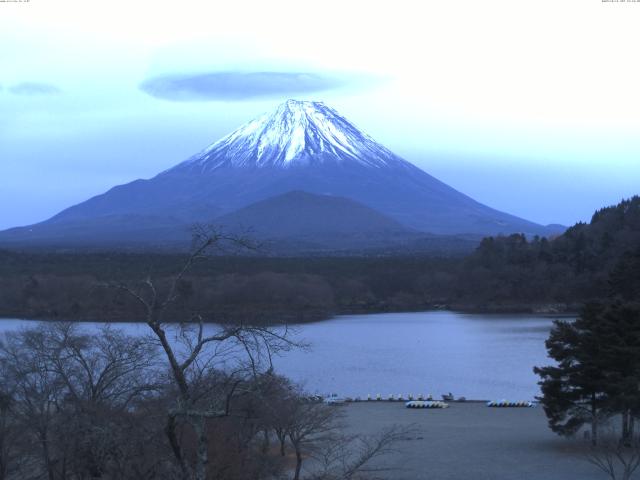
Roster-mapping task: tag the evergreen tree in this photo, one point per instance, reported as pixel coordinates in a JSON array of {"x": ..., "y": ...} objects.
[
  {"x": 574, "y": 392},
  {"x": 598, "y": 370},
  {"x": 619, "y": 329},
  {"x": 624, "y": 280}
]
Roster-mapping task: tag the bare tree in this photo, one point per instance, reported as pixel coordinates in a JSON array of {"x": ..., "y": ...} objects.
[
  {"x": 109, "y": 368},
  {"x": 353, "y": 457},
  {"x": 37, "y": 394},
  {"x": 315, "y": 432},
  {"x": 310, "y": 425},
  {"x": 275, "y": 399},
  {"x": 11, "y": 435},
  {"x": 103, "y": 375},
  {"x": 195, "y": 351},
  {"x": 616, "y": 458},
  {"x": 73, "y": 395}
]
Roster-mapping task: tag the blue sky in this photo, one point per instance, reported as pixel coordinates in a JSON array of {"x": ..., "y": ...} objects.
[{"x": 530, "y": 107}]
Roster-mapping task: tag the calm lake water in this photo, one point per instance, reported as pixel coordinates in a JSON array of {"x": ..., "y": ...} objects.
[{"x": 476, "y": 355}]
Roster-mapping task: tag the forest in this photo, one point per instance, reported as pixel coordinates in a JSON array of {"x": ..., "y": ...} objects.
[{"x": 505, "y": 273}]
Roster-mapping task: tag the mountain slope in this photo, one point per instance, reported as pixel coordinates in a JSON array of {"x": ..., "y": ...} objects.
[
  {"x": 303, "y": 146},
  {"x": 122, "y": 231}
]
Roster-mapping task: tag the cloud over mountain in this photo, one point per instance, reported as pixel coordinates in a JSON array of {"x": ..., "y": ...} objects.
[
  {"x": 237, "y": 86},
  {"x": 34, "y": 88}
]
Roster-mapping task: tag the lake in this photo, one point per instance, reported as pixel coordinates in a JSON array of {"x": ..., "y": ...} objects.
[{"x": 479, "y": 356}]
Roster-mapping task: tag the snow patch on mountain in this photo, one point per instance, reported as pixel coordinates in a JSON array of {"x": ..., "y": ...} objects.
[{"x": 296, "y": 133}]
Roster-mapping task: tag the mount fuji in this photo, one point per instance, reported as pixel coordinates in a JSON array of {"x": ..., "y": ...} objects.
[{"x": 304, "y": 147}]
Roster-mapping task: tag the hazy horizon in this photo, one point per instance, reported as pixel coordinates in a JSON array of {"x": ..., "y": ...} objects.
[{"x": 527, "y": 118}]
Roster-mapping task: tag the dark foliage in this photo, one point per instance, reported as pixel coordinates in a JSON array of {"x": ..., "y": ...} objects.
[
  {"x": 573, "y": 268},
  {"x": 598, "y": 370},
  {"x": 505, "y": 273}
]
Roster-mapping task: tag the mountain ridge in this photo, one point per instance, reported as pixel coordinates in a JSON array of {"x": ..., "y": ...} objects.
[{"x": 301, "y": 146}]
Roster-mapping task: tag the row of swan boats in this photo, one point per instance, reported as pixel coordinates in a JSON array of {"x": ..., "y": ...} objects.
[{"x": 427, "y": 401}]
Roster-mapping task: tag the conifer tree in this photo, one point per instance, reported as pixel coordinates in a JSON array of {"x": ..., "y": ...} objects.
[
  {"x": 574, "y": 393},
  {"x": 597, "y": 375}
]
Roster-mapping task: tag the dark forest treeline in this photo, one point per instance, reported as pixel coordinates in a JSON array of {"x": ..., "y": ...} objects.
[
  {"x": 504, "y": 274},
  {"x": 268, "y": 289},
  {"x": 588, "y": 262}
]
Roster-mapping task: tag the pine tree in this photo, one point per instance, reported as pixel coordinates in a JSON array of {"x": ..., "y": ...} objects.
[
  {"x": 598, "y": 370},
  {"x": 574, "y": 392},
  {"x": 624, "y": 280},
  {"x": 619, "y": 329}
]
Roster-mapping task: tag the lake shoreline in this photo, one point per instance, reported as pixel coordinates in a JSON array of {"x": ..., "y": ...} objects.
[{"x": 314, "y": 316}]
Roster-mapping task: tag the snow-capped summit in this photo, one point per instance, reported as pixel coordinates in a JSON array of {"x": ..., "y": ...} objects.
[{"x": 296, "y": 133}]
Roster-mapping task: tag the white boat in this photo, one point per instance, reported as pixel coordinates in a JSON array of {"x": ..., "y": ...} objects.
[{"x": 335, "y": 400}]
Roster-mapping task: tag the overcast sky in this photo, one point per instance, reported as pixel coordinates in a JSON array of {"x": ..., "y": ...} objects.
[{"x": 531, "y": 107}]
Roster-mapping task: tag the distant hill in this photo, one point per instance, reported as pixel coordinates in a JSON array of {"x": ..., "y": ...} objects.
[{"x": 321, "y": 219}]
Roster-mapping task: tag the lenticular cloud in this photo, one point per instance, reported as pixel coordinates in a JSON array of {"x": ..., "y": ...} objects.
[{"x": 236, "y": 86}]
